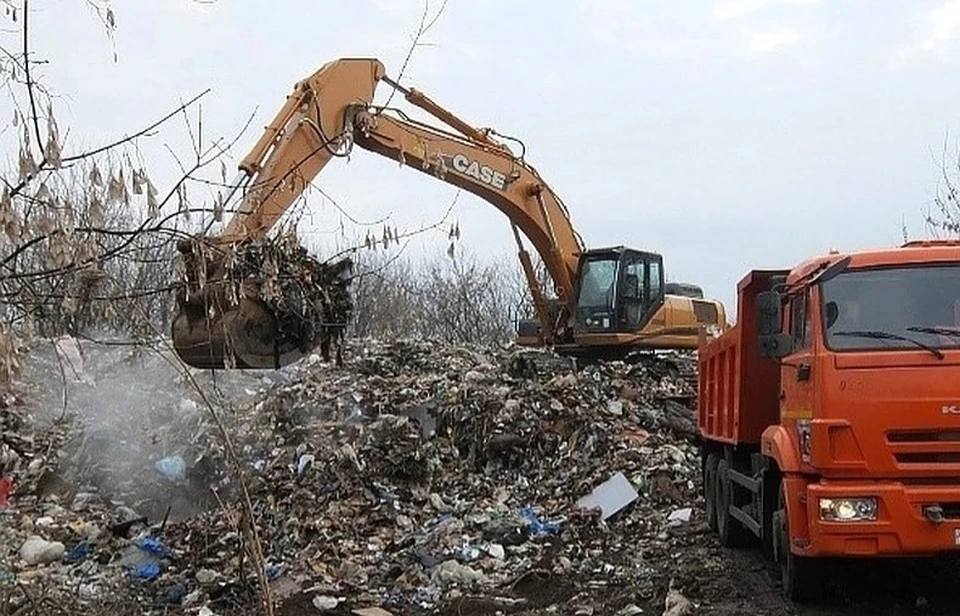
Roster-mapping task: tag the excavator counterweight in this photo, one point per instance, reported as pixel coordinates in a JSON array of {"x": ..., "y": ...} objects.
[{"x": 232, "y": 315}]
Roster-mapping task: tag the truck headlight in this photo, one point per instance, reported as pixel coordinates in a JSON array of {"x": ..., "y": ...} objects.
[{"x": 848, "y": 509}]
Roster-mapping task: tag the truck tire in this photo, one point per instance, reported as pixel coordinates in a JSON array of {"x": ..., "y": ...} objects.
[
  {"x": 710, "y": 489},
  {"x": 801, "y": 578},
  {"x": 730, "y": 530}
]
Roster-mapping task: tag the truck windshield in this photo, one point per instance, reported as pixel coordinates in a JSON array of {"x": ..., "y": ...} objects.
[{"x": 901, "y": 307}]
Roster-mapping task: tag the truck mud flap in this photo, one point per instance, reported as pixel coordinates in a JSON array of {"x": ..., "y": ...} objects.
[
  {"x": 738, "y": 513},
  {"x": 745, "y": 518}
]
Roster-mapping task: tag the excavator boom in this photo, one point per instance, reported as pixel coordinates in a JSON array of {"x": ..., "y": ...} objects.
[{"x": 325, "y": 117}]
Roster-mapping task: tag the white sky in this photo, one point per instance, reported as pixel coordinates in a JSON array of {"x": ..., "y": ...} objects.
[{"x": 726, "y": 135}]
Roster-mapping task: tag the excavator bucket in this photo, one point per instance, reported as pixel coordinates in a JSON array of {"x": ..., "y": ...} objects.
[{"x": 260, "y": 305}]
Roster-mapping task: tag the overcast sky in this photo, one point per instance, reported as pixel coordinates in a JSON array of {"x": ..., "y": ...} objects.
[{"x": 726, "y": 135}]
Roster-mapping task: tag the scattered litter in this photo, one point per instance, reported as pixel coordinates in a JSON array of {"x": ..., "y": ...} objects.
[
  {"x": 536, "y": 526},
  {"x": 325, "y": 603},
  {"x": 395, "y": 481},
  {"x": 611, "y": 496},
  {"x": 146, "y": 558},
  {"x": 68, "y": 350},
  {"x": 173, "y": 468},
  {"x": 304, "y": 463},
  {"x": 171, "y": 595},
  {"x": 676, "y": 604},
  {"x": 680, "y": 516},
  {"x": 371, "y": 611},
  {"x": 78, "y": 553},
  {"x": 496, "y": 551},
  {"x": 6, "y": 487},
  {"x": 38, "y": 551}
]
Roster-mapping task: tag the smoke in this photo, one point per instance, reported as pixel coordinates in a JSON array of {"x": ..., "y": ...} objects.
[{"x": 131, "y": 416}]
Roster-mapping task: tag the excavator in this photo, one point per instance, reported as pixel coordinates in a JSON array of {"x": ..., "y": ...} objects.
[{"x": 607, "y": 302}]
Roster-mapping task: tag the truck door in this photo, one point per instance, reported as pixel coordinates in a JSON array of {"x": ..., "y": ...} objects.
[{"x": 796, "y": 378}]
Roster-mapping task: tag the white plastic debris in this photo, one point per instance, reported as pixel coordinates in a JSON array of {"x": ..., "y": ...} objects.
[
  {"x": 38, "y": 551},
  {"x": 68, "y": 353},
  {"x": 325, "y": 603},
  {"x": 675, "y": 604},
  {"x": 680, "y": 516},
  {"x": 172, "y": 468},
  {"x": 496, "y": 550},
  {"x": 304, "y": 463},
  {"x": 610, "y": 496}
]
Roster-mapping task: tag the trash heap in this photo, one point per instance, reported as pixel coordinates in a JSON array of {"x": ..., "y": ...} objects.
[{"x": 415, "y": 478}]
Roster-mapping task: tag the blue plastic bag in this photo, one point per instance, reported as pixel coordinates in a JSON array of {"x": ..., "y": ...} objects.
[{"x": 538, "y": 527}]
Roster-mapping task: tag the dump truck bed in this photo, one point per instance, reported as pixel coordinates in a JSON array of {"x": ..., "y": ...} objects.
[{"x": 738, "y": 388}]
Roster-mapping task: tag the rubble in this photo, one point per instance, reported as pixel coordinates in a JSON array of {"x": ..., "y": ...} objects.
[{"x": 412, "y": 479}]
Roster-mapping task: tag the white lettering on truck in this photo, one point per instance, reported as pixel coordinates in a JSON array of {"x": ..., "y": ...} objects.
[{"x": 481, "y": 173}]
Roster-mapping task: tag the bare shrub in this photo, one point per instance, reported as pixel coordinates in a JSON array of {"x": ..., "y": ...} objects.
[
  {"x": 943, "y": 217},
  {"x": 456, "y": 300},
  {"x": 86, "y": 238}
]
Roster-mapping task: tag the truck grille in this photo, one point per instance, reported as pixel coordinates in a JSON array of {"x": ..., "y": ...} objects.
[
  {"x": 924, "y": 436},
  {"x": 951, "y": 511},
  {"x": 928, "y": 458},
  {"x": 910, "y": 447}
]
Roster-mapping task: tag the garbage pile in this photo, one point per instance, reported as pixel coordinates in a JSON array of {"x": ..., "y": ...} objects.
[{"x": 415, "y": 478}]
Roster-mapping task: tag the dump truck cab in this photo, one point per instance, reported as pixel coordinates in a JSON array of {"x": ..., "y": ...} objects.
[{"x": 835, "y": 407}]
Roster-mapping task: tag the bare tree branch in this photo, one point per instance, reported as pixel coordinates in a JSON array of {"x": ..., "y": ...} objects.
[{"x": 421, "y": 30}]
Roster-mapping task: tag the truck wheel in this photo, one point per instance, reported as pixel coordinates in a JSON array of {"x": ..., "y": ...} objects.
[
  {"x": 710, "y": 490},
  {"x": 731, "y": 531},
  {"x": 801, "y": 577}
]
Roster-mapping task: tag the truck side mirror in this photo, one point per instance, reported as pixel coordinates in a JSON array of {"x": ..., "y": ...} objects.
[
  {"x": 769, "y": 305},
  {"x": 776, "y": 345}
]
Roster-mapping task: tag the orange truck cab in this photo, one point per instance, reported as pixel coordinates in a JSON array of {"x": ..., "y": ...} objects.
[{"x": 830, "y": 412}]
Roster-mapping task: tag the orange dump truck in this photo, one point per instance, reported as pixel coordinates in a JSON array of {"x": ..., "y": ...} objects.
[{"x": 830, "y": 412}]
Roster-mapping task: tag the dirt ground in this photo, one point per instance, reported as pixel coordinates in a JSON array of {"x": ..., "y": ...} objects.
[
  {"x": 721, "y": 582},
  {"x": 738, "y": 582},
  {"x": 886, "y": 587}
]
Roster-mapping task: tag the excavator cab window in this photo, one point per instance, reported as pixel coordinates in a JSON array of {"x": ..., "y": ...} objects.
[
  {"x": 595, "y": 299},
  {"x": 632, "y": 292},
  {"x": 618, "y": 290}
]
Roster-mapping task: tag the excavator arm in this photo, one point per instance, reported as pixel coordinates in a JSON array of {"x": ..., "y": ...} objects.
[{"x": 324, "y": 117}]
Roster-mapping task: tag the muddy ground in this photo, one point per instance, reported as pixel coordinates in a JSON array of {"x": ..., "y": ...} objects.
[{"x": 728, "y": 582}]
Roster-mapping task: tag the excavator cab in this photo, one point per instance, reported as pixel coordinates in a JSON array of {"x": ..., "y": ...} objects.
[{"x": 619, "y": 289}]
